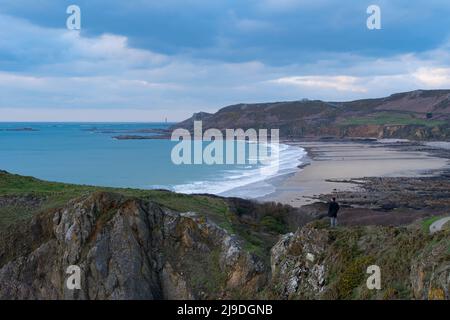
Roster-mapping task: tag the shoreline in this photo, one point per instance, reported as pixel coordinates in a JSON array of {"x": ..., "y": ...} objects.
[
  {"x": 263, "y": 186},
  {"x": 329, "y": 166},
  {"x": 401, "y": 192},
  {"x": 336, "y": 166}
]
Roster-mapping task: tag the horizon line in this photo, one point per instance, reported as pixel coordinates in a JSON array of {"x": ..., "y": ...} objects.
[{"x": 124, "y": 122}]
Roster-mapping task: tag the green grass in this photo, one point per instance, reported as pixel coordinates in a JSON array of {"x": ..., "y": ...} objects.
[
  {"x": 55, "y": 195},
  {"x": 426, "y": 224},
  {"x": 206, "y": 276},
  {"x": 384, "y": 118},
  {"x": 274, "y": 224},
  {"x": 446, "y": 227},
  {"x": 10, "y": 215},
  {"x": 394, "y": 250}
]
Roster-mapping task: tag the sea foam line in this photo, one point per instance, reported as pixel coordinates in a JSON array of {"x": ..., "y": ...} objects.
[{"x": 290, "y": 157}]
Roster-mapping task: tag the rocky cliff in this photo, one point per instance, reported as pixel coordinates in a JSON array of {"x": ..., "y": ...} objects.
[
  {"x": 417, "y": 115},
  {"x": 126, "y": 249},
  {"x": 132, "y": 248},
  {"x": 318, "y": 263}
]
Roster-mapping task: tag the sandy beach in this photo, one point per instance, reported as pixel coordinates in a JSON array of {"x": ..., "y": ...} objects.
[{"x": 330, "y": 161}]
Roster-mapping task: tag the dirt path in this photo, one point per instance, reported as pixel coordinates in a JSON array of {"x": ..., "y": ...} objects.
[{"x": 437, "y": 225}]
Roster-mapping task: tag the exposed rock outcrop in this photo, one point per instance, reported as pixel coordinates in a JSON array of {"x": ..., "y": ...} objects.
[
  {"x": 430, "y": 273},
  {"x": 131, "y": 248},
  {"x": 297, "y": 265},
  {"x": 128, "y": 249},
  {"x": 318, "y": 263}
]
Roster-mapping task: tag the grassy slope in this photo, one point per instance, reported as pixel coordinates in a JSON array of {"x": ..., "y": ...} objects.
[
  {"x": 396, "y": 250},
  {"x": 426, "y": 224},
  {"x": 258, "y": 236},
  {"x": 54, "y": 195},
  {"x": 308, "y": 117},
  {"x": 391, "y": 118},
  {"x": 391, "y": 248}
]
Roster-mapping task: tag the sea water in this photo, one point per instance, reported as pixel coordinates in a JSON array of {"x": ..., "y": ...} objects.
[{"x": 88, "y": 153}]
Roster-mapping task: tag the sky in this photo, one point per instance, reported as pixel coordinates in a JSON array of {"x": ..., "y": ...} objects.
[{"x": 147, "y": 60}]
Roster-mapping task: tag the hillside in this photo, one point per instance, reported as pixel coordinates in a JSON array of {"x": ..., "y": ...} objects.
[
  {"x": 133, "y": 244},
  {"x": 419, "y": 115}
]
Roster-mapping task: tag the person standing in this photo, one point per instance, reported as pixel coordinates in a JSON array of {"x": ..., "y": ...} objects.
[{"x": 333, "y": 210}]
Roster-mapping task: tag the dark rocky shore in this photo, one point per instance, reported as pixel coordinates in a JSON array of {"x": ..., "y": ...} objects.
[{"x": 391, "y": 201}]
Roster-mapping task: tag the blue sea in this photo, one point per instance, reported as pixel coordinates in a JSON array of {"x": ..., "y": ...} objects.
[{"x": 88, "y": 153}]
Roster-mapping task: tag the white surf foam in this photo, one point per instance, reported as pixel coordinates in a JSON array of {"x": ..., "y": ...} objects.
[
  {"x": 248, "y": 182},
  {"x": 439, "y": 144}
]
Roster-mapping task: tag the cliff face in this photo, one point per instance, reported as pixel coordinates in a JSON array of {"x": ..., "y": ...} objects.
[
  {"x": 418, "y": 115},
  {"x": 129, "y": 248},
  {"x": 126, "y": 249},
  {"x": 380, "y": 131},
  {"x": 316, "y": 263}
]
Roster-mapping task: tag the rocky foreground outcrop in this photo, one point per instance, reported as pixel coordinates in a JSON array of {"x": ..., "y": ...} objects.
[
  {"x": 130, "y": 248},
  {"x": 316, "y": 263},
  {"x": 126, "y": 249}
]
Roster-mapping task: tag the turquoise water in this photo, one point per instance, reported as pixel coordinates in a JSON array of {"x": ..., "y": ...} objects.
[{"x": 87, "y": 153}]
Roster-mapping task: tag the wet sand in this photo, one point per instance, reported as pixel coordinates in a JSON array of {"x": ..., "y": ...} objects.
[{"x": 349, "y": 160}]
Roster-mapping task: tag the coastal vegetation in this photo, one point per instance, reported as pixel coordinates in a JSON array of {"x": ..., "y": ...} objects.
[
  {"x": 392, "y": 118},
  {"x": 157, "y": 244},
  {"x": 416, "y": 115},
  {"x": 204, "y": 247},
  {"x": 21, "y": 198}
]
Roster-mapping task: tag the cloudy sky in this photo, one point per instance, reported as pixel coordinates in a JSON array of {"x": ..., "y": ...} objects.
[{"x": 145, "y": 60}]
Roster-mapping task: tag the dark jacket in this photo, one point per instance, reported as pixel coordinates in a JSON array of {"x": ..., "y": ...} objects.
[{"x": 333, "y": 209}]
